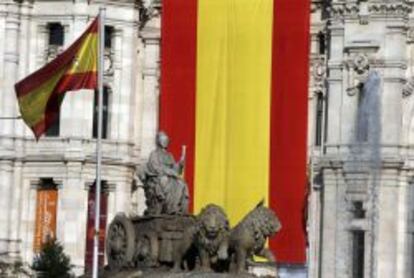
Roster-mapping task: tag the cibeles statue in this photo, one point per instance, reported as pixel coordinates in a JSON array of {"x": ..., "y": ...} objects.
[{"x": 165, "y": 190}]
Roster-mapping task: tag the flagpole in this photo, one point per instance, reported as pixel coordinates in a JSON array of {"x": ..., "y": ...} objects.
[{"x": 101, "y": 49}]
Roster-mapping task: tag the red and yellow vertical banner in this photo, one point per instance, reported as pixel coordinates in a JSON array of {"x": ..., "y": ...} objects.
[
  {"x": 45, "y": 226},
  {"x": 234, "y": 88},
  {"x": 90, "y": 232}
]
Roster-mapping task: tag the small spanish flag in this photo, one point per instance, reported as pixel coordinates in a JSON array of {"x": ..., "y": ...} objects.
[{"x": 40, "y": 94}]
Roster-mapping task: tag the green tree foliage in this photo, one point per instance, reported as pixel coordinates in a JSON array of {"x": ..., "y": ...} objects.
[{"x": 52, "y": 262}]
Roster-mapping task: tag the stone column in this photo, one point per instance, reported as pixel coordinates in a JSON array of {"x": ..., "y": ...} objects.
[
  {"x": 73, "y": 107},
  {"x": 335, "y": 87},
  {"x": 24, "y": 61},
  {"x": 11, "y": 60},
  {"x": 403, "y": 246},
  {"x": 314, "y": 225},
  {"x": 6, "y": 204},
  {"x": 395, "y": 56},
  {"x": 123, "y": 196},
  {"x": 388, "y": 229},
  {"x": 150, "y": 105},
  {"x": 16, "y": 204},
  {"x": 329, "y": 230},
  {"x": 117, "y": 108},
  {"x": 3, "y": 16},
  {"x": 112, "y": 210},
  {"x": 71, "y": 216},
  {"x": 28, "y": 216}
]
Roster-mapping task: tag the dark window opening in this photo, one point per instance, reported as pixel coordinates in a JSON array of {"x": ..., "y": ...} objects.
[
  {"x": 358, "y": 253},
  {"x": 319, "y": 120},
  {"x": 54, "y": 129},
  {"x": 105, "y": 114},
  {"x": 56, "y": 34},
  {"x": 109, "y": 31},
  {"x": 322, "y": 43},
  {"x": 358, "y": 210},
  {"x": 47, "y": 183}
]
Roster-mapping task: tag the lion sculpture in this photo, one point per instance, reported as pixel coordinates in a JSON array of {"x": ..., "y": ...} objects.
[
  {"x": 249, "y": 237},
  {"x": 211, "y": 238}
]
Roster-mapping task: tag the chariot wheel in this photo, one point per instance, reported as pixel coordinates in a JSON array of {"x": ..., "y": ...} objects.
[{"x": 120, "y": 242}]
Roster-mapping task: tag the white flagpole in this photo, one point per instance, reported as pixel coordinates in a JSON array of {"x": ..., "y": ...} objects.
[{"x": 101, "y": 49}]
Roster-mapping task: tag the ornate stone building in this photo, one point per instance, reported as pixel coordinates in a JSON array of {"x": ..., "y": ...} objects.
[
  {"x": 45, "y": 185},
  {"x": 360, "y": 214},
  {"x": 361, "y": 209}
]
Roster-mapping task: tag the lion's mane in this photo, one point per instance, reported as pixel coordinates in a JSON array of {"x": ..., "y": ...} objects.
[
  {"x": 212, "y": 245},
  {"x": 262, "y": 222}
]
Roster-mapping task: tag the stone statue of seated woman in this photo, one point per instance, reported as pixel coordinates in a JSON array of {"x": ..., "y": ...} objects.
[{"x": 165, "y": 190}]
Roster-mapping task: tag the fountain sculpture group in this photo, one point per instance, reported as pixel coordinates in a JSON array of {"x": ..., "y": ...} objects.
[{"x": 167, "y": 238}]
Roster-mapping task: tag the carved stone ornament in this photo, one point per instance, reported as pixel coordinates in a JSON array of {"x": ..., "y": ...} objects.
[
  {"x": 410, "y": 35},
  {"x": 108, "y": 62},
  {"x": 318, "y": 75},
  {"x": 390, "y": 9},
  {"x": 339, "y": 11},
  {"x": 52, "y": 52},
  {"x": 316, "y": 5},
  {"x": 361, "y": 64},
  {"x": 358, "y": 68},
  {"x": 408, "y": 87},
  {"x": 318, "y": 70},
  {"x": 147, "y": 12}
]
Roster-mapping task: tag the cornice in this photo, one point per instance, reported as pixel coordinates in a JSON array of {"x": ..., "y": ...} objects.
[{"x": 376, "y": 9}]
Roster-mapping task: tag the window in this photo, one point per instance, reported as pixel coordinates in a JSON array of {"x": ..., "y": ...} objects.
[
  {"x": 358, "y": 253},
  {"x": 358, "y": 210},
  {"x": 321, "y": 43},
  {"x": 109, "y": 31},
  {"x": 319, "y": 119},
  {"x": 56, "y": 34},
  {"x": 105, "y": 114}
]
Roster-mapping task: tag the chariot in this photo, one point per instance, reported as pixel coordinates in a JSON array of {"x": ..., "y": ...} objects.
[{"x": 137, "y": 241}]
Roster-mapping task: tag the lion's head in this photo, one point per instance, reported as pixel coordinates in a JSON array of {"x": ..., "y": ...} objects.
[
  {"x": 266, "y": 221},
  {"x": 213, "y": 227},
  {"x": 262, "y": 220}
]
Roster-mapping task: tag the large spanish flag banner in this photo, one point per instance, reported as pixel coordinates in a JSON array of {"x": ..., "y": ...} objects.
[
  {"x": 41, "y": 93},
  {"x": 234, "y": 86}
]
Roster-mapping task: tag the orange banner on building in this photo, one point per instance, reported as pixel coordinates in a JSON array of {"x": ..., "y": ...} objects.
[{"x": 46, "y": 209}]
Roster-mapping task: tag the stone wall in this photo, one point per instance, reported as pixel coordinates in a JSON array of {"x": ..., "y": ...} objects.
[{"x": 132, "y": 76}]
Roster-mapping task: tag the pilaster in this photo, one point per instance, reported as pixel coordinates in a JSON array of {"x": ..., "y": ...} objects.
[
  {"x": 25, "y": 40},
  {"x": 6, "y": 204},
  {"x": 150, "y": 75},
  {"x": 11, "y": 61},
  {"x": 71, "y": 215}
]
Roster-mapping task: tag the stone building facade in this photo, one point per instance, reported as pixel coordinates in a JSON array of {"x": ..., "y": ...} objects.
[
  {"x": 360, "y": 214},
  {"x": 361, "y": 199},
  {"x": 61, "y": 164}
]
